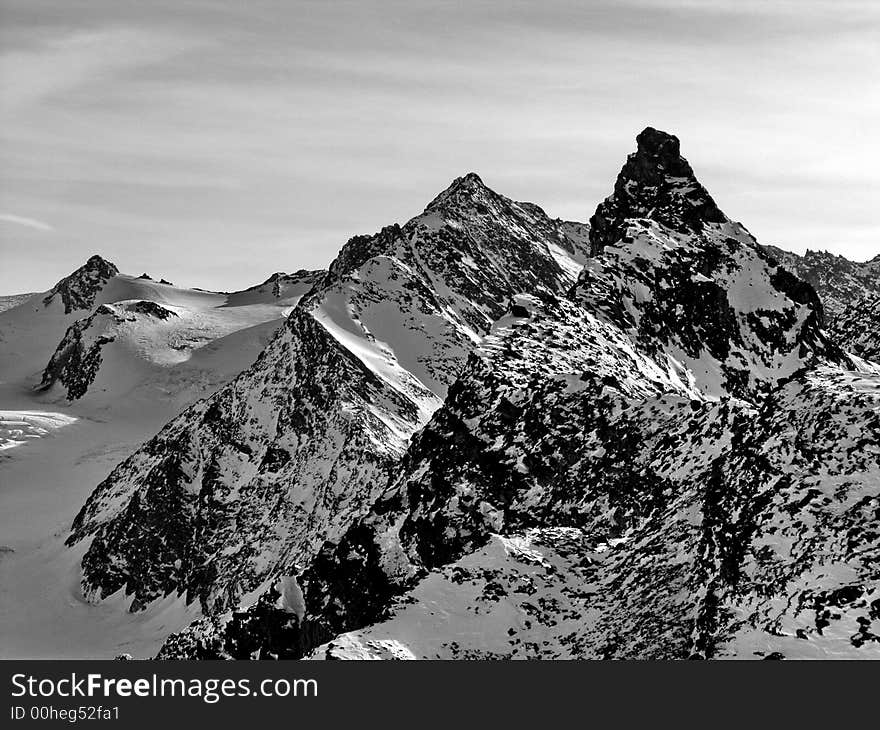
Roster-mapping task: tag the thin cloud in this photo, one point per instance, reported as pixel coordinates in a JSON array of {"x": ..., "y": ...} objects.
[
  {"x": 21, "y": 220},
  {"x": 61, "y": 65}
]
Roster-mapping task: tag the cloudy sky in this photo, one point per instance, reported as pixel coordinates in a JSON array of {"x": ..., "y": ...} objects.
[{"x": 213, "y": 142}]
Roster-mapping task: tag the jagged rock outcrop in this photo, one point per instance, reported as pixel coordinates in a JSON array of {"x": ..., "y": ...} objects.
[
  {"x": 671, "y": 460},
  {"x": 247, "y": 484},
  {"x": 849, "y": 291},
  {"x": 657, "y": 183},
  {"x": 79, "y": 289},
  {"x": 838, "y": 281}
]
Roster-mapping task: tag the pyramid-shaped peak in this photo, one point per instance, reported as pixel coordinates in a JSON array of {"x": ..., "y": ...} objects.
[
  {"x": 656, "y": 182},
  {"x": 471, "y": 178},
  {"x": 98, "y": 262},
  {"x": 470, "y": 181},
  {"x": 462, "y": 189},
  {"x": 79, "y": 289},
  {"x": 95, "y": 268}
]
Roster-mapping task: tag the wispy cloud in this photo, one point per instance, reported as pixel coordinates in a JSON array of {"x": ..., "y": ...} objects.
[
  {"x": 60, "y": 65},
  {"x": 21, "y": 220}
]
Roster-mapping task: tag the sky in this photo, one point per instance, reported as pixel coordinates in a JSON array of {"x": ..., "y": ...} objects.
[{"x": 213, "y": 142}]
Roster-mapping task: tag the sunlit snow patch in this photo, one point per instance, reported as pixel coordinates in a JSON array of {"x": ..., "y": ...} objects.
[{"x": 19, "y": 427}]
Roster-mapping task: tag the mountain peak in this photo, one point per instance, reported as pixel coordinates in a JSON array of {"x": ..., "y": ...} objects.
[
  {"x": 656, "y": 182},
  {"x": 461, "y": 190},
  {"x": 98, "y": 261},
  {"x": 79, "y": 289},
  {"x": 468, "y": 182},
  {"x": 659, "y": 145}
]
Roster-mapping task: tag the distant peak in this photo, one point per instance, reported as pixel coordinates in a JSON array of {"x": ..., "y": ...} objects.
[
  {"x": 95, "y": 267},
  {"x": 656, "y": 182},
  {"x": 462, "y": 189},
  {"x": 471, "y": 178},
  {"x": 470, "y": 181},
  {"x": 79, "y": 289},
  {"x": 99, "y": 262}
]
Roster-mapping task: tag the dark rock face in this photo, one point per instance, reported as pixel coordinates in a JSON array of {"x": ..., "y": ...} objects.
[
  {"x": 658, "y": 183},
  {"x": 800, "y": 291},
  {"x": 186, "y": 519},
  {"x": 78, "y": 291},
  {"x": 78, "y": 358},
  {"x": 857, "y": 327},
  {"x": 658, "y": 463},
  {"x": 150, "y": 309}
]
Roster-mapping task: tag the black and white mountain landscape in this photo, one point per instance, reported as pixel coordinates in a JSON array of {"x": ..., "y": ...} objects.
[{"x": 483, "y": 433}]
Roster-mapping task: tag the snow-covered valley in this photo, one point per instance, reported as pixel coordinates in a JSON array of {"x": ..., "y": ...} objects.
[{"x": 42, "y": 485}]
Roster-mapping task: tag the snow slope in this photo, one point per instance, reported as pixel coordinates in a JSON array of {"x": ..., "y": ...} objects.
[{"x": 43, "y": 482}]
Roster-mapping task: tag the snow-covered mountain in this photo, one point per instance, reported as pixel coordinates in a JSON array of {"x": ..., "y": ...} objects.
[
  {"x": 167, "y": 338},
  {"x": 670, "y": 459},
  {"x": 248, "y": 483},
  {"x": 102, "y": 335}
]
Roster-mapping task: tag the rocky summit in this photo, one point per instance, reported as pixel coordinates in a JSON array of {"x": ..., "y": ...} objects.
[
  {"x": 487, "y": 433},
  {"x": 655, "y": 182},
  {"x": 79, "y": 289}
]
